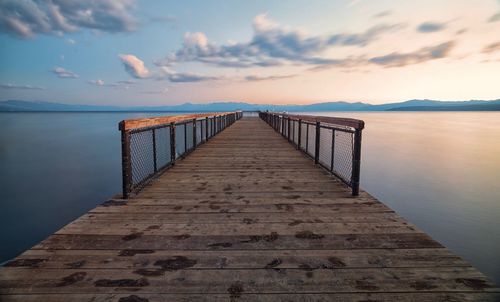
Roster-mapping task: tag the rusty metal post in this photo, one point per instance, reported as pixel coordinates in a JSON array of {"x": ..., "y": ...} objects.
[
  {"x": 356, "y": 163},
  {"x": 126, "y": 162},
  {"x": 316, "y": 150}
]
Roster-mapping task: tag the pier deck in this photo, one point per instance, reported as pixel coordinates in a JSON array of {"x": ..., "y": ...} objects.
[{"x": 244, "y": 217}]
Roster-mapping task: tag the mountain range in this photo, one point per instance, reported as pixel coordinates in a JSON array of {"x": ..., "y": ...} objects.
[{"x": 411, "y": 105}]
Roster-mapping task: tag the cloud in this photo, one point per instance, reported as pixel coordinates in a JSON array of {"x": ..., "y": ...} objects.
[
  {"x": 63, "y": 73},
  {"x": 117, "y": 85},
  {"x": 382, "y": 14},
  {"x": 96, "y": 82},
  {"x": 430, "y": 27},
  {"x": 180, "y": 77},
  {"x": 21, "y": 87},
  {"x": 256, "y": 78},
  {"x": 163, "y": 91},
  {"x": 493, "y": 47},
  {"x": 396, "y": 59},
  {"x": 134, "y": 66},
  {"x": 271, "y": 45},
  {"x": 28, "y": 18},
  {"x": 494, "y": 18}
]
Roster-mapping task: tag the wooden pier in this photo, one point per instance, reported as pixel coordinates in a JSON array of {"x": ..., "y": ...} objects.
[{"x": 244, "y": 217}]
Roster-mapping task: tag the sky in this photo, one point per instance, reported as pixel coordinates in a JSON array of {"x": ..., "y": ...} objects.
[{"x": 126, "y": 52}]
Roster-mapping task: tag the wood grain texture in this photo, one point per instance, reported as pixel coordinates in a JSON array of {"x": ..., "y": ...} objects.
[
  {"x": 130, "y": 124},
  {"x": 245, "y": 217}
]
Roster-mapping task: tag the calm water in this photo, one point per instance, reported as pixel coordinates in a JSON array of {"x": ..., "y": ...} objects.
[{"x": 439, "y": 170}]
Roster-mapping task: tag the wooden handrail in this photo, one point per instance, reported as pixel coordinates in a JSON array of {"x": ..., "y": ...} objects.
[
  {"x": 348, "y": 122},
  {"x": 161, "y": 120}
]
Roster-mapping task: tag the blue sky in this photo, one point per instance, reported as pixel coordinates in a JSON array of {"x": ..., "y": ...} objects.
[{"x": 265, "y": 51}]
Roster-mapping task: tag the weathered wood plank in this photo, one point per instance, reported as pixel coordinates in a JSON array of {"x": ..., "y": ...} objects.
[
  {"x": 250, "y": 208},
  {"x": 169, "y": 278},
  {"x": 240, "y": 259},
  {"x": 259, "y": 197},
  {"x": 265, "y": 241},
  {"x": 245, "y": 297},
  {"x": 216, "y": 218},
  {"x": 248, "y": 227}
]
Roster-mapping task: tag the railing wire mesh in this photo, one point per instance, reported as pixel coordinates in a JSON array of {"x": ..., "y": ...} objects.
[
  {"x": 336, "y": 147},
  {"x": 148, "y": 151}
]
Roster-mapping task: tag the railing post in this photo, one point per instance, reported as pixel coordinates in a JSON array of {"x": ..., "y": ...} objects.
[
  {"x": 356, "y": 163},
  {"x": 299, "y": 134},
  {"x": 307, "y": 137},
  {"x": 332, "y": 163},
  {"x": 282, "y": 125},
  {"x": 194, "y": 133},
  {"x": 154, "y": 151},
  {"x": 126, "y": 162},
  {"x": 185, "y": 138},
  {"x": 206, "y": 128},
  {"x": 288, "y": 129},
  {"x": 172, "y": 143},
  {"x": 316, "y": 151}
]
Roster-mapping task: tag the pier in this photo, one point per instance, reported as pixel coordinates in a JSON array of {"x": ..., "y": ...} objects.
[{"x": 242, "y": 207}]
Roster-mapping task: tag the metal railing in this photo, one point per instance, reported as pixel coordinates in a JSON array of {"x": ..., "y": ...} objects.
[
  {"x": 333, "y": 143},
  {"x": 152, "y": 145}
]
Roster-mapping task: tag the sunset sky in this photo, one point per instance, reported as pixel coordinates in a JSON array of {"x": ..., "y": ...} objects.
[{"x": 264, "y": 51}]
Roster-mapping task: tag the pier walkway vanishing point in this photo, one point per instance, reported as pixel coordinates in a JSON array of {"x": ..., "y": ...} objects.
[{"x": 244, "y": 217}]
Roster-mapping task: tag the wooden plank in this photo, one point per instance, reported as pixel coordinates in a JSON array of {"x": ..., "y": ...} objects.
[
  {"x": 249, "y": 218},
  {"x": 245, "y": 198},
  {"x": 247, "y": 187},
  {"x": 245, "y": 297},
  {"x": 254, "y": 197},
  {"x": 249, "y": 228},
  {"x": 265, "y": 241},
  {"x": 242, "y": 259},
  {"x": 250, "y": 208},
  {"x": 171, "y": 280}
]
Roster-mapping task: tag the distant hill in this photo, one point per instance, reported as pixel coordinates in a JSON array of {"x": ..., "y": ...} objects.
[{"x": 411, "y": 105}]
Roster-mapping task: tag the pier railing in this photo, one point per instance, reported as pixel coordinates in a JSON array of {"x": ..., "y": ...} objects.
[
  {"x": 333, "y": 143},
  {"x": 152, "y": 145}
]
